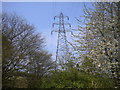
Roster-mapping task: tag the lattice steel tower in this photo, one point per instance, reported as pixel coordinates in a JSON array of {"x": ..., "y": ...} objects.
[{"x": 62, "y": 47}]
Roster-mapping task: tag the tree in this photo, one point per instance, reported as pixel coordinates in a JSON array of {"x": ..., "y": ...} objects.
[
  {"x": 22, "y": 47},
  {"x": 0, "y": 56},
  {"x": 99, "y": 43},
  {"x": 6, "y": 57},
  {"x": 74, "y": 78},
  {"x": 39, "y": 66}
]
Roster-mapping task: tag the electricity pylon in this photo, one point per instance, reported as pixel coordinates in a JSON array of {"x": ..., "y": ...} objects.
[{"x": 62, "y": 55}]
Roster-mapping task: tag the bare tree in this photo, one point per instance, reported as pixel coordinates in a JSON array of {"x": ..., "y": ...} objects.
[{"x": 22, "y": 47}]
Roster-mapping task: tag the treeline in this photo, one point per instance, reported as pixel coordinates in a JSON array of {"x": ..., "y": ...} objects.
[
  {"x": 98, "y": 47},
  {"x": 94, "y": 56},
  {"x": 23, "y": 58}
]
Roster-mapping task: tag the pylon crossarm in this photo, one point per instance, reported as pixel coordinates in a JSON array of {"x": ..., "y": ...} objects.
[
  {"x": 54, "y": 31},
  {"x": 66, "y": 17},
  {"x": 69, "y": 31},
  {"x": 67, "y": 24},
  {"x": 56, "y": 17},
  {"x": 55, "y": 24}
]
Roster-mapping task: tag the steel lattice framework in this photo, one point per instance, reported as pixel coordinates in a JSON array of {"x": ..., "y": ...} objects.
[{"x": 62, "y": 55}]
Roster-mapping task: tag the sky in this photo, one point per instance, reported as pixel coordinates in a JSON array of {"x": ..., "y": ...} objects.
[{"x": 41, "y": 14}]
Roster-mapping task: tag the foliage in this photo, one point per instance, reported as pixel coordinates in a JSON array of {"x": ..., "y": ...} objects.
[
  {"x": 22, "y": 51},
  {"x": 94, "y": 59},
  {"x": 100, "y": 40},
  {"x": 74, "y": 78}
]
